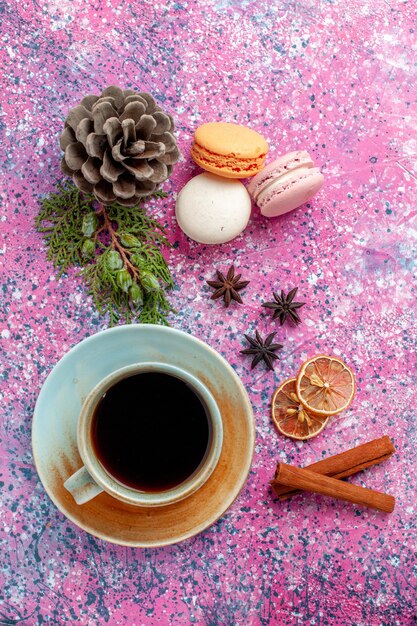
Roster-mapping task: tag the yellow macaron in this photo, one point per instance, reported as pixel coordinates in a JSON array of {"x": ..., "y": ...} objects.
[{"x": 229, "y": 150}]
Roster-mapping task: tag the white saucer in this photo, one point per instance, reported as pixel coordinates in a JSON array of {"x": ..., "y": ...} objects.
[{"x": 55, "y": 446}]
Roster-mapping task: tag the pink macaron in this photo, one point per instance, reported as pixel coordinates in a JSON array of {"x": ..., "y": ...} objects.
[{"x": 286, "y": 183}]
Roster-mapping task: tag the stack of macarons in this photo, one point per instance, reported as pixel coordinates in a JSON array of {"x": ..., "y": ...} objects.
[{"x": 215, "y": 207}]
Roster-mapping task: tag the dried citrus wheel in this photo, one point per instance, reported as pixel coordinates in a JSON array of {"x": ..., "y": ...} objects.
[
  {"x": 325, "y": 385},
  {"x": 291, "y": 417}
]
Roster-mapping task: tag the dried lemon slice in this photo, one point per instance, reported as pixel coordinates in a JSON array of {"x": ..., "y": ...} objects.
[
  {"x": 325, "y": 385},
  {"x": 290, "y": 417}
]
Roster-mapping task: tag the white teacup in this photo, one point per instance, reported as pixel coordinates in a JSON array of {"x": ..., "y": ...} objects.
[{"x": 93, "y": 478}]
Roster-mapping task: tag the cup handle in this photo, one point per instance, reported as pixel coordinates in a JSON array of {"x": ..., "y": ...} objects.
[{"x": 82, "y": 487}]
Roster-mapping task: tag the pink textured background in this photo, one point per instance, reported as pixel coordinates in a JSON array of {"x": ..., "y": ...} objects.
[{"x": 337, "y": 78}]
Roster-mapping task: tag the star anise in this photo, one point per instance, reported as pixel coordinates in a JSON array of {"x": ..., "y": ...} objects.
[
  {"x": 262, "y": 350},
  {"x": 284, "y": 306},
  {"x": 228, "y": 286}
]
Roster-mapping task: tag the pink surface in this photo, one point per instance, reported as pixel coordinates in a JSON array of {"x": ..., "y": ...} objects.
[{"x": 337, "y": 79}]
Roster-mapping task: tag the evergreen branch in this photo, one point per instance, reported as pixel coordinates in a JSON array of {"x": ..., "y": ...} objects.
[
  {"x": 60, "y": 220},
  {"x": 117, "y": 249}
]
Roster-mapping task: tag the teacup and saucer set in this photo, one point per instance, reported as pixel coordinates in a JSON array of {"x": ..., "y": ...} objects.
[{"x": 115, "y": 446}]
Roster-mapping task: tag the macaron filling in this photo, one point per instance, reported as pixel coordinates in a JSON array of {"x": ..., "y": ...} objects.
[
  {"x": 273, "y": 183},
  {"x": 231, "y": 161}
]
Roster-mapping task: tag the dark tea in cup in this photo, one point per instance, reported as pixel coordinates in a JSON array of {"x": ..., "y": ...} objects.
[{"x": 151, "y": 431}]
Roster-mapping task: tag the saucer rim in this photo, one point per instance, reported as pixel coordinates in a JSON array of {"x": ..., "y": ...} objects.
[{"x": 244, "y": 398}]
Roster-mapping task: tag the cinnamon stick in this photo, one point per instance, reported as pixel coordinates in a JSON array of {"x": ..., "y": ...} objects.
[
  {"x": 344, "y": 464},
  {"x": 310, "y": 481}
]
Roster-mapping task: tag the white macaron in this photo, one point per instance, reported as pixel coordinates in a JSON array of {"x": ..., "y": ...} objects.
[{"x": 212, "y": 209}]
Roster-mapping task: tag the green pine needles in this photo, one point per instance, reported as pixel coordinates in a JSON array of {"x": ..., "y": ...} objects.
[{"x": 118, "y": 249}]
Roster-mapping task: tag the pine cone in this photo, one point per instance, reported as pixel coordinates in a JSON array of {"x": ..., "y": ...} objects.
[{"x": 118, "y": 146}]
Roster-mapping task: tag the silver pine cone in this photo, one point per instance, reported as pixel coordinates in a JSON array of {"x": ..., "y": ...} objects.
[{"x": 118, "y": 146}]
